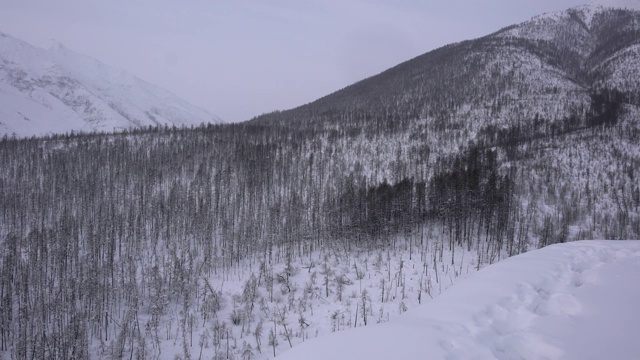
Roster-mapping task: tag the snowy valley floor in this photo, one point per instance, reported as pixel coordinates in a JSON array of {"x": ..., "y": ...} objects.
[{"x": 578, "y": 300}]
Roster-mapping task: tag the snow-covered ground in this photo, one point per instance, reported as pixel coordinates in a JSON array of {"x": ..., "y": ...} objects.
[{"x": 569, "y": 301}]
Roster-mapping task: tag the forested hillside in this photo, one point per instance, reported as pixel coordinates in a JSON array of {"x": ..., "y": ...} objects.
[{"x": 119, "y": 244}]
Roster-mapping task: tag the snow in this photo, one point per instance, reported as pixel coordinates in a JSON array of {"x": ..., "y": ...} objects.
[
  {"x": 568, "y": 301},
  {"x": 20, "y": 114},
  {"x": 57, "y": 91},
  {"x": 589, "y": 10}
]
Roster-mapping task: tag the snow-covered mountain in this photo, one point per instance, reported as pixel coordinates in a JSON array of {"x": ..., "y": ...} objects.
[
  {"x": 548, "y": 67},
  {"x": 57, "y": 91},
  {"x": 567, "y": 301}
]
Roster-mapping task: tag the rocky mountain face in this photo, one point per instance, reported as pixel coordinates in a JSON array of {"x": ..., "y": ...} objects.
[{"x": 58, "y": 91}]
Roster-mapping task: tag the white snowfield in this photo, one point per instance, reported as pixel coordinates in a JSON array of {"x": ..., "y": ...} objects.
[
  {"x": 578, "y": 300},
  {"x": 58, "y": 91}
]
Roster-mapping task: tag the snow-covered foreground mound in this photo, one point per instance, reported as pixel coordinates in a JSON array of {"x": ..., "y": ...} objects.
[{"x": 578, "y": 300}]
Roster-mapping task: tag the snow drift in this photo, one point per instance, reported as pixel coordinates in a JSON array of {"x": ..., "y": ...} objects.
[{"x": 568, "y": 301}]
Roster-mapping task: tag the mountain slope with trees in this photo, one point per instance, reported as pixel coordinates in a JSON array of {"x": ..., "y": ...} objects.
[{"x": 548, "y": 67}]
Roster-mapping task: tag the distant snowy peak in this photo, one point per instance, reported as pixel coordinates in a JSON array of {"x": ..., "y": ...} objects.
[
  {"x": 83, "y": 65},
  {"x": 582, "y": 13},
  {"x": 549, "y": 26},
  {"x": 583, "y": 29},
  {"x": 58, "y": 90},
  {"x": 586, "y": 12}
]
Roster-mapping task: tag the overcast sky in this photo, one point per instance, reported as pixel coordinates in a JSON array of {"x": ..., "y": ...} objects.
[{"x": 239, "y": 59}]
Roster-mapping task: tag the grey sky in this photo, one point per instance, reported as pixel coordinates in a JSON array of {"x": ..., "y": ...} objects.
[{"x": 239, "y": 58}]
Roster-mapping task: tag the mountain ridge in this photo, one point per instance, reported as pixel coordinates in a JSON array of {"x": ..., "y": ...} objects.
[
  {"x": 57, "y": 91},
  {"x": 548, "y": 49}
]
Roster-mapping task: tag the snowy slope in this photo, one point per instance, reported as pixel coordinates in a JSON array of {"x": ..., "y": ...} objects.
[
  {"x": 58, "y": 90},
  {"x": 569, "y": 301}
]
